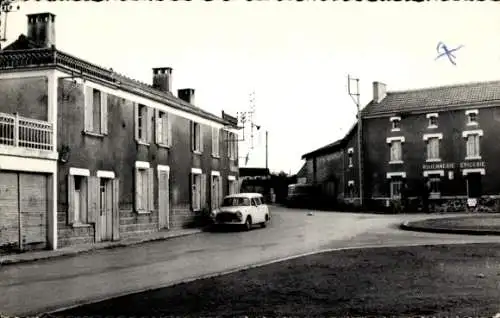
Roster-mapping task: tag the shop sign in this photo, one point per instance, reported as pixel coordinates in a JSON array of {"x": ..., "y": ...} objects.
[
  {"x": 438, "y": 166},
  {"x": 472, "y": 164}
]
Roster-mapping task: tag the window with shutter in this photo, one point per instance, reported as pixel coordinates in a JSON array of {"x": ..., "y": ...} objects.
[
  {"x": 96, "y": 111},
  {"x": 396, "y": 150},
  {"x": 215, "y": 142},
  {"x": 433, "y": 148},
  {"x": 143, "y": 188},
  {"x": 473, "y": 146},
  {"x": 78, "y": 207},
  {"x": 143, "y": 131}
]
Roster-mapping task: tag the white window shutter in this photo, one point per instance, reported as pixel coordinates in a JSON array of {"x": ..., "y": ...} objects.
[
  {"x": 93, "y": 199},
  {"x": 138, "y": 190},
  {"x": 71, "y": 201},
  {"x": 169, "y": 130},
  {"x": 191, "y": 135},
  {"x": 192, "y": 185},
  {"x": 116, "y": 209},
  {"x": 136, "y": 121},
  {"x": 88, "y": 113},
  {"x": 213, "y": 141},
  {"x": 149, "y": 124},
  {"x": 159, "y": 130},
  {"x": 203, "y": 195},
  {"x": 104, "y": 113},
  {"x": 212, "y": 192},
  {"x": 200, "y": 130},
  {"x": 151, "y": 206},
  {"x": 220, "y": 198}
]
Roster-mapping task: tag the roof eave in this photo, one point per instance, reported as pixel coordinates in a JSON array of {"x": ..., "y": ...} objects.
[{"x": 49, "y": 58}]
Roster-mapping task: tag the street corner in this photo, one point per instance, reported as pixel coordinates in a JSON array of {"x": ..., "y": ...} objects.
[{"x": 470, "y": 225}]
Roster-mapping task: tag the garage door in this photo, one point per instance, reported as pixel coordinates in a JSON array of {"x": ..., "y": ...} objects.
[
  {"x": 9, "y": 210},
  {"x": 24, "y": 212}
]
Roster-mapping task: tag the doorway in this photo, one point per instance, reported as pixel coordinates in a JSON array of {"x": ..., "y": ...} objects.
[
  {"x": 106, "y": 208},
  {"x": 163, "y": 197}
]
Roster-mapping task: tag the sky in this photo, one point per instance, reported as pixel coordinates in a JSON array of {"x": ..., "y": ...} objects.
[{"x": 295, "y": 56}]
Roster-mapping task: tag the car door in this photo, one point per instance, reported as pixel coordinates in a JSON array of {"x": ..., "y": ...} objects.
[{"x": 255, "y": 211}]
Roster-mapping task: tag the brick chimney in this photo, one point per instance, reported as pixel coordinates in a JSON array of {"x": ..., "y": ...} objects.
[
  {"x": 42, "y": 29},
  {"x": 379, "y": 92},
  {"x": 162, "y": 79},
  {"x": 186, "y": 94}
]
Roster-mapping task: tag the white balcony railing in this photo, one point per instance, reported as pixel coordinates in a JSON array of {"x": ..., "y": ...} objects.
[{"x": 25, "y": 132}]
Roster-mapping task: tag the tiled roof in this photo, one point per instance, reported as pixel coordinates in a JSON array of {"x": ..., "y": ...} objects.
[
  {"x": 436, "y": 98},
  {"x": 24, "y": 53},
  {"x": 334, "y": 146}
]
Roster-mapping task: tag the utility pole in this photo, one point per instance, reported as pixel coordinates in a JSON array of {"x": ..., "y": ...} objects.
[
  {"x": 251, "y": 112},
  {"x": 267, "y": 154},
  {"x": 355, "y": 96}
]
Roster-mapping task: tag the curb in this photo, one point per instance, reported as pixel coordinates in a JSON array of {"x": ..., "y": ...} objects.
[
  {"x": 413, "y": 226},
  {"x": 70, "y": 253}
]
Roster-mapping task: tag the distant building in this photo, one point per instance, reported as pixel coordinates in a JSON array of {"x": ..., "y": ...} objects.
[
  {"x": 334, "y": 168},
  {"x": 88, "y": 155},
  {"x": 444, "y": 138}
]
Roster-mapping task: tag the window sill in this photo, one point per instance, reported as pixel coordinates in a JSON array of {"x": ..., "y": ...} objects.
[
  {"x": 78, "y": 225},
  {"x": 163, "y": 146},
  {"x": 473, "y": 158},
  {"x": 432, "y": 127},
  {"x": 216, "y": 156},
  {"x": 140, "y": 142},
  {"x": 92, "y": 134},
  {"x": 142, "y": 212},
  {"x": 197, "y": 152},
  {"x": 395, "y": 162},
  {"x": 433, "y": 160},
  {"x": 473, "y": 124},
  {"x": 395, "y": 129}
]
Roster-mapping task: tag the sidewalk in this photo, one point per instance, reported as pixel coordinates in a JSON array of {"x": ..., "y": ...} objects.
[
  {"x": 74, "y": 250},
  {"x": 470, "y": 225}
]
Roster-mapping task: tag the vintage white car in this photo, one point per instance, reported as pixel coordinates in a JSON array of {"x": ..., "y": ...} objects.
[{"x": 245, "y": 209}]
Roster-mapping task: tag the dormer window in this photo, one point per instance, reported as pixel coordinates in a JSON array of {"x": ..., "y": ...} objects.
[
  {"x": 433, "y": 120},
  {"x": 396, "y": 123},
  {"x": 471, "y": 117}
]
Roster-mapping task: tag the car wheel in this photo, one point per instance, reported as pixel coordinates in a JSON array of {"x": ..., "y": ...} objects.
[{"x": 248, "y": 223}]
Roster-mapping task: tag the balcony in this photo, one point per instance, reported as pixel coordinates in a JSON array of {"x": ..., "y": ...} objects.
[{"x": 28, "y": 137}]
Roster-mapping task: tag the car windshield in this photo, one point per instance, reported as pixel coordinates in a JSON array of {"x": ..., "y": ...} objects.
[{"x": 236, "y": 202}]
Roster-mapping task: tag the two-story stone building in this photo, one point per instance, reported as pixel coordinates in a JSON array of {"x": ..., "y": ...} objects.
[
  {"x": 334, "y": 168},
  {"x": 445, "y": 138},
  {"x": 89, "y": 155}
]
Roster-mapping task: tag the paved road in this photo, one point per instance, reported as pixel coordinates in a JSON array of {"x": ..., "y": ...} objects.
[{"x": 51, "y": 284}]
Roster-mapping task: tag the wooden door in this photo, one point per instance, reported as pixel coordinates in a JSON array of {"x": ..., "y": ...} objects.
[{"x": 164, "y": 199}]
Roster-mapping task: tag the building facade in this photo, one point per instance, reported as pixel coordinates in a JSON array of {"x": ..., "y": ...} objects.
[
  {"x": 442, "y": 139},
  {"x": 89, "y": 155},
  {"x": 334, "y": 168}
]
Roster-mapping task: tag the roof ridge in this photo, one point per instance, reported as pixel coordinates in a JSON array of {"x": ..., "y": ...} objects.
[{"x": 433, "y": 88}]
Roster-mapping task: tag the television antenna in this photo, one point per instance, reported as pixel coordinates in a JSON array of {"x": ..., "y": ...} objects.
[{"x": 6, "y": 6}]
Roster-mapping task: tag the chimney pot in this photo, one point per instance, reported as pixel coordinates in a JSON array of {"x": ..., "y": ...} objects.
[
  {"x": 379, "y": 92},
  {"x": 41, "y": 29},
  {"x": 186, "y": 94},
  {"x": 162, "y": 79}
]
